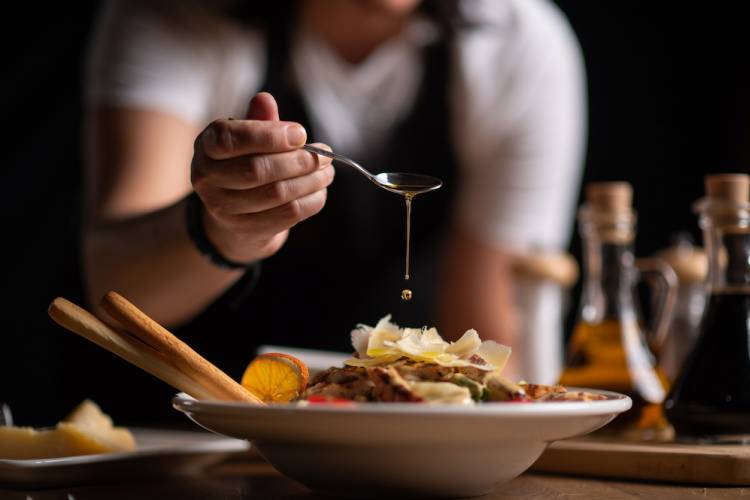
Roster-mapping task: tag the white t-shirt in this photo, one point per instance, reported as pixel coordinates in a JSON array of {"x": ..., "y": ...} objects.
[{"x": 517, "y": 99}]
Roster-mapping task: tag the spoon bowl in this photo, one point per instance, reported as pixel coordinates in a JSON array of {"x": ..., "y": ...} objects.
[
  {"x": 405, "y": 183},
  {"x": 396, "y": 182}
]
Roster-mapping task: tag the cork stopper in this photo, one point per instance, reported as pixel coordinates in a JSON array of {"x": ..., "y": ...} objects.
[
  {"x": 734, "y": 188},
  {"x": 611, "y": 197},
  {"x": 608, "y": 212},
  {"x": 557, "y": 267},
  {"x": 688, "y": 262}
]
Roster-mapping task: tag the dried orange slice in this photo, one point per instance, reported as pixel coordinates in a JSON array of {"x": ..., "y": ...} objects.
[{"x": 276, "y": 377}]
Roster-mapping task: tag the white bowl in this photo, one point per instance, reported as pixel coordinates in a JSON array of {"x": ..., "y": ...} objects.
[{"x": 374, "y": 449}]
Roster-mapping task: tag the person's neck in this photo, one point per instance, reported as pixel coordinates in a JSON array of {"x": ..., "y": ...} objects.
[{"x": 353, "y": 31}]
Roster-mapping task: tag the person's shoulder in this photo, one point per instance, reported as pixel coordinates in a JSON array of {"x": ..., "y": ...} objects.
[
  {"x": 166, "y": 55},
  {"x": 524, "y": 25},
  {"x": 189, "y": 22}
]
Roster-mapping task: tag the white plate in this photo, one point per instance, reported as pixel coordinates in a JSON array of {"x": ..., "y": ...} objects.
[
  {"x": 315, "y": 360},
  {"x": 159, "y": 452},
  {"x": 374, "y": 449}
]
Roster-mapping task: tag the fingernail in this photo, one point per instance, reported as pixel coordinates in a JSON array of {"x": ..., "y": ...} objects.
[
  {"x": 295, "y": 135},
  {"x": 209, "y": 137}
]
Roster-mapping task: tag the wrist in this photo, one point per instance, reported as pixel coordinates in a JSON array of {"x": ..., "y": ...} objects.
[{"x": 210, "y": 242}]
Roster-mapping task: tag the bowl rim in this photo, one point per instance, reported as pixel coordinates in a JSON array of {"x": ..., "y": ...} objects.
[{"x": 615, "y": 403}]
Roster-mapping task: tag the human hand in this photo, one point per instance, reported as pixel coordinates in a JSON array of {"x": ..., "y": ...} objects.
[{"x": 254, "y": 181}]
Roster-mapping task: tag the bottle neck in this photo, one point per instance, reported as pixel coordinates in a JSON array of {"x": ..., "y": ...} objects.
[
  {"x": 609, "y": 277},
  {"x": 608, "y": 265},
  {"x": 726, "y": 234}
]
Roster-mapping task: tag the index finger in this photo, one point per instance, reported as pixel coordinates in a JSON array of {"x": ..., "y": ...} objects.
[{"x": 224, "y": 139}]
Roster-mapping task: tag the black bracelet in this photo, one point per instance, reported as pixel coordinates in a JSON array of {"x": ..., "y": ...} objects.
[{"x": 198, "y": 236}]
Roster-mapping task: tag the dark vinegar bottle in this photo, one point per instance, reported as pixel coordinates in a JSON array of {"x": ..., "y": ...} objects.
[{"x": 711, "y": 397}]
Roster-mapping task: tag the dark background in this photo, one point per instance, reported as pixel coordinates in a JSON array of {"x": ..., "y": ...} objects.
[{"x": 669, "y": 87}]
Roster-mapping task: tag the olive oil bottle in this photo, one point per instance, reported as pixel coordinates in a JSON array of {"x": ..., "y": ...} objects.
[{"x": 609, "y": 347}]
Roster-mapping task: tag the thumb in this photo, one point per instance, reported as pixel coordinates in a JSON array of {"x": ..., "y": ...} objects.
[{"x": 263, "y": 107}]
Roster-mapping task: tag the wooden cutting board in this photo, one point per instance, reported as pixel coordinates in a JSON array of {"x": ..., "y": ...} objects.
[{"x": 726, "y": 464}]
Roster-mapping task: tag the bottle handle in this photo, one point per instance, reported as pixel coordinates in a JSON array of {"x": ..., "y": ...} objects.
[{"x": 665, "y": 283}]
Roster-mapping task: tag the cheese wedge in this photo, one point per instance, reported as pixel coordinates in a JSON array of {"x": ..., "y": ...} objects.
[
  {"x": 90, "y": 418},
  {"x": 85, "y": 431}
]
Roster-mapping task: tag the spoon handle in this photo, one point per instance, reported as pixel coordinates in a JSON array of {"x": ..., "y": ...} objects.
[
  {"x": 322, "y": 152},
  {"x": 319, "y": 151},
  {"x": 338, "y": 157}
]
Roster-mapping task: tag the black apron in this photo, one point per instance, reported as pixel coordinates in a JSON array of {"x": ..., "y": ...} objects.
[{"x": 345, "y": 265}]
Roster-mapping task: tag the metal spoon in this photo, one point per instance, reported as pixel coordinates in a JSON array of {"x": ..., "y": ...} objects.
[{"x": 395, "y": 182}]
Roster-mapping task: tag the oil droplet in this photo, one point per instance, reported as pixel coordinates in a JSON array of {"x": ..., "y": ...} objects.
[{"x": 406, "y": 294}]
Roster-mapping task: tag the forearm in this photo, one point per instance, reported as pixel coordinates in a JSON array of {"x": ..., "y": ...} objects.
[
  {"x": 475, "y": 291},
  {"x": 151, "y": 261}
]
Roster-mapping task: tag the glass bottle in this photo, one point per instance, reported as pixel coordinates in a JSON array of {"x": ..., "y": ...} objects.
[
  {"x": 609, "y": 348},
  {"x": 711, "y": 396},
  {"x": 690, "y": 263}
]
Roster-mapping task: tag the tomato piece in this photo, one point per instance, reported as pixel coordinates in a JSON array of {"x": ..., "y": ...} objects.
[{"x": 321, "y": 399}]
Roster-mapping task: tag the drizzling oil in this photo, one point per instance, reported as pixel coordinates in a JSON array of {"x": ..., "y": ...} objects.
[{"x": 406, "y": 294}]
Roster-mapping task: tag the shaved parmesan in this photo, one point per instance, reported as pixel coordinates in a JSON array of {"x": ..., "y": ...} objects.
[{"x": 386, "y": 342}]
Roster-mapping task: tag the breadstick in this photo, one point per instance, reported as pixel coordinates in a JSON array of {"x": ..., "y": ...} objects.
[
  {"x": 175, "y": 350},
  {"x": 88, "y": 326}
]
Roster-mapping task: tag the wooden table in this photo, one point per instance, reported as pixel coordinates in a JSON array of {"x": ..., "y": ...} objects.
[{"x": 241, "y": 480}]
